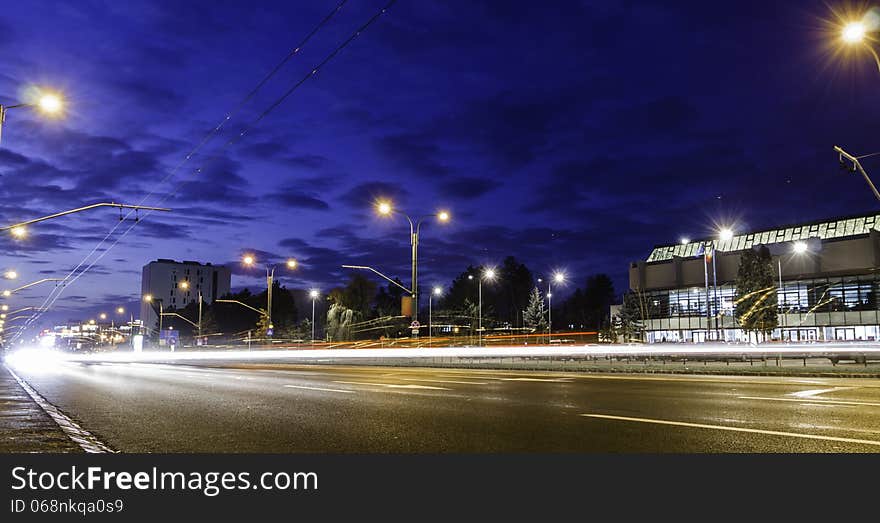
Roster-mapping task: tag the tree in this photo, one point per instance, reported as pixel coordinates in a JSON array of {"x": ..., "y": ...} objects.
[
  {"x": 630, "y": 320},
  {"x": 590, "y": 307},
  {"x": 535, "y": 315},
  {"x": 756, "y": 301}
]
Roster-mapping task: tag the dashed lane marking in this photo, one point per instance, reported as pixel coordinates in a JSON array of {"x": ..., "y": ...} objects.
[
  {"x": 735, "y": 429},
  {"x": 320, "y": 389}
]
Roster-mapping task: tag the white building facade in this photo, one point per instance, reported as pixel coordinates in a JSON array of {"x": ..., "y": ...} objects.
[{"x": 175, "y": 285}]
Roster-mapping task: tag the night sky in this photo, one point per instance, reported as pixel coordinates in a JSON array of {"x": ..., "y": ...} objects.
[{"x": 572, "y": 135}]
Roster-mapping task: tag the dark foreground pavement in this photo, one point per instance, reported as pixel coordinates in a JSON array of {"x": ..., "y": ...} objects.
[
  {"x": 24, "y": 426},
  {"x": 277, "y": 407}
]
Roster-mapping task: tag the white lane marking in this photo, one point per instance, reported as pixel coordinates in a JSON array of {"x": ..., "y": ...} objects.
[
  {"x": 815, "y": 392},
  {"x": 390, "y": 385},
  {"x": 320, "y": 389},
  {"x": 447, "y": 381},
  {"x": 548, "y": 380},
  {"x": 826, "y": 405},
  {"x": 735, "y": 429},
  {"x": 817, "y": 400},
  {"x": 85, "y": 439}
]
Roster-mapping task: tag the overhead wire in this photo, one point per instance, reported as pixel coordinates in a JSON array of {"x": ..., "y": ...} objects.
[{"x": 58, "y": 290}]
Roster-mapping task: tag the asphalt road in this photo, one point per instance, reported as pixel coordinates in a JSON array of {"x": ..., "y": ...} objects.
[{"x": 281, "y": 408}]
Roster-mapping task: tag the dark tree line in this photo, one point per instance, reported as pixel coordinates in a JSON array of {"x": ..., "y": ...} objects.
[{"x": 363, "y": 308}]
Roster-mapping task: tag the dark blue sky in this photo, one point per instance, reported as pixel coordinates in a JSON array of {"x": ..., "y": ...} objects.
[{"x": 572, "y": 135}]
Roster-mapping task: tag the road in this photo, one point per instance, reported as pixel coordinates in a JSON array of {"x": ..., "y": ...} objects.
[{"x": 282, "y": 407}]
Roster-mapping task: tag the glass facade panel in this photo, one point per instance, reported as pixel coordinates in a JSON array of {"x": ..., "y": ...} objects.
[{"x": 824, "y": 230}]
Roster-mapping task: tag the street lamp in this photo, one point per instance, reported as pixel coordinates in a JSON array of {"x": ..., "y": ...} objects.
[
  {"x": 313, "y": 294},
  {"x": 558, "y": 278},
  {"x": 488, "y": 274},
  {"x": 10, "y": 275},
  {"x": 857, "y": 32},
  {"x": 8, "y": 292},
  {"x": 47, "y": 102},
  {"x": 385, "y": 208},
  {"x": 249, "y": 260},
  {"x": 798, "y": 248},
  {"x": 437, "y": 291}
]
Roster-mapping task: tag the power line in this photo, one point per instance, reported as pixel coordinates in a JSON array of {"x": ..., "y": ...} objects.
[{"x": 58, "y": 290}]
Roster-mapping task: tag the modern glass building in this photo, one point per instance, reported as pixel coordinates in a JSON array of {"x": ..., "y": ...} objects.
[{"x": 828, "y": 283}]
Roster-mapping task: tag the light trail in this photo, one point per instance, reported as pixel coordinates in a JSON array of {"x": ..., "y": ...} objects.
[{"x": 40, "y": 358}]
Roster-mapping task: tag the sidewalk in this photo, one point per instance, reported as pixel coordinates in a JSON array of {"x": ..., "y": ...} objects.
[{"x": 24, "y": 426}]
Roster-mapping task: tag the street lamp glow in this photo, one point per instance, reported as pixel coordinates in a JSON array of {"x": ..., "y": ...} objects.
[
  {"x": 438, "y": 291},
  {"x": 50, "y": 103},
  {"x": 559, "y": 277},
  {"x": 148, "y": 298},
  {"x": 10, "y": 275},
  {"x": 853, "y": 32},
  {"x": 313, "y": 294},
  {"x": 725, "y": 234},
  {"x": 443, "y": 216},
  {"x": 489, "y": 274},
  {"x": 120, "y": 310},
  {"x": 291, "y": 263},
  {"x": 7, "y": 293},
  {"x": 685, "y": 241},
  {"x": 383, "y": 208},
  {"x": 103, "y": 316},
  {"x": 248, "y": 260},
  {"x": 184, "y": 285},
  {"x": 4, "y": 308},
  {"x": 91, "y": 322},
  {"x": 18, "y": 232},
  {"x": 799, "y": 247}
]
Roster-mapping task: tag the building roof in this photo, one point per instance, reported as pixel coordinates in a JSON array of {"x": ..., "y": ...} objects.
[{"x": 825, "y": 230}]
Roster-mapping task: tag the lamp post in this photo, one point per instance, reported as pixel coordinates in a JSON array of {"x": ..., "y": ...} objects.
[
  {"x": 313, "y": 294},
  {"x": 724, "y": 235},
  {"x": 488, "y": 274},
  {"x": 9, "y": 292},
  {"x": 385, "y": 208},
  {"x": 437, "y": 291},
  {"x": 798, "y": 248},
  {"x": 558, "y": 278},
  {"x": 249, "y": 260},
  {"x": 47, "y": 103}
]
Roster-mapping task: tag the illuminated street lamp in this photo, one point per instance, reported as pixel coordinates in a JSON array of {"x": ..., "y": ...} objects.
[
  {"x": 857, "y": 32},
  {"x": 102, "y": 316},
  {"x": 385, "y": 208},
  {"x": 313, "y": 294},
  {"x": 46, "y": 102},
  {"x": 249, "y": 260},
  {"x": 798, "y": 248},
  {"x": 436, "y": 291},
  {"x": 10, "y": 275},
  {"x": 9, "y": 292},
  {"x": 488, "y": 274}
]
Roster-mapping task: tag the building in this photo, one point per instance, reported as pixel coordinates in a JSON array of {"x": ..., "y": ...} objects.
[
  {"x": 828, "y": 283},
  {"x": 174, "y": 285}
]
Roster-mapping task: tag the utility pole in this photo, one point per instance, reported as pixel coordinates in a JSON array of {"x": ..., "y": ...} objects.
[
  {"x": 857, "y": 166},
  {"x": 200, "y": 316}
]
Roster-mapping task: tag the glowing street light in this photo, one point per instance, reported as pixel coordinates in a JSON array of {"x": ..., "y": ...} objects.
[
  {"x": 18, "y": 232},
  {"x": 102, "y": 316},
  {"x": 853, "y": 32},
  {"x": 385, "y": 208},
  {"x": 120, "y": 310},
  {"x": 488, "y": 274},
  {"x": 725, "y": 234},
  {"x": 184, "y": 285},
  {"x": 249, "y": 260},
  {"x": 313, "y": 294},
  {"x": 10, "y": 275},
  {"x": 799, "y": 247},
  {"x": 47, "y": 102},
  {"x": 436, "y": 291}
]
